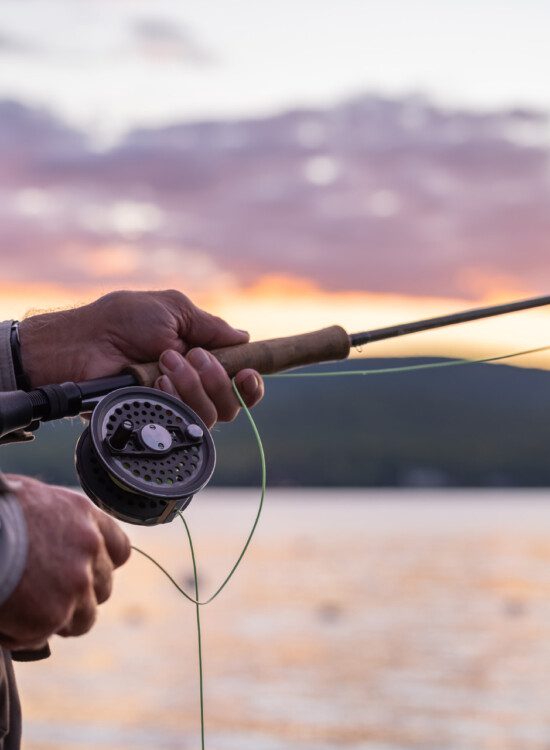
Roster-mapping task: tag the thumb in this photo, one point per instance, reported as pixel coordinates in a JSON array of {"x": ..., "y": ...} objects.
[{"x": 209, "y": 331}]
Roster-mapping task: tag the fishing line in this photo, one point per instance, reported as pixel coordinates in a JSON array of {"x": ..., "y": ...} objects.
[
  {"x": 336, "y": 373},
  {"x": 409, "y": 368},
  {"x": 196, "y": 601}
]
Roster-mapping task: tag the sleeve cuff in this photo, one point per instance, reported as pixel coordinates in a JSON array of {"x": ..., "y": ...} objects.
[
  {"x": 7, "y": 371},
  {"x": 13, "y": 544},
  {"x": 8, "y": 380}
]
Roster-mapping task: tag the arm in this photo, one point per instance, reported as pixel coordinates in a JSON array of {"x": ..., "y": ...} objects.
[
  {"x": 57, "y": 552},
  {"x": 13, "y": 529},
  {"x": 97, "y": 340}
]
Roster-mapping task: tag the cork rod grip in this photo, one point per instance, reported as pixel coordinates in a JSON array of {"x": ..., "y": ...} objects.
[{"x": 270, "y": 356}]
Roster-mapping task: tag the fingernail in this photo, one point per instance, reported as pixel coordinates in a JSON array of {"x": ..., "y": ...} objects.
[
  {"x": 165, "y": 384},
  {"x": 199, "y": 359},
  {"x": 250, "y": 385},
  {"x": 240, "y": 330},
  {"x": 171, "y": 360}
]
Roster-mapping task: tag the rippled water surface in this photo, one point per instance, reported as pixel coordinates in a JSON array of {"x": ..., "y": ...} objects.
[{"x": 359, "y": 620}]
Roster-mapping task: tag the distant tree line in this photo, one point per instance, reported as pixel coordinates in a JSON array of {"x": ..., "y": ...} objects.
[{"x": 477, "y": 425}]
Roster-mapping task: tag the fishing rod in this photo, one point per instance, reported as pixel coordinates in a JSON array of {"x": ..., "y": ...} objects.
[
  {"x": 267, "y": 357},
  {"x": 145, "y": 453},
  {"x": 329, "y": 344}
]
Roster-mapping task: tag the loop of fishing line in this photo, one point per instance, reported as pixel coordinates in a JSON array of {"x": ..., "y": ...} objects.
[{"x": 336, "y": 373}]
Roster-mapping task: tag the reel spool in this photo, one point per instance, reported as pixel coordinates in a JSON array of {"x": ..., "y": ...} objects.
[{"x": 144, "y": 455}]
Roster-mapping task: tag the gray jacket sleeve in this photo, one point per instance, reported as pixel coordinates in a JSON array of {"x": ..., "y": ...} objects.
[
  {"x": 13, "y": 540},
  {"x": 7, "y": 373},
  {"x": 13, "y": 529}
]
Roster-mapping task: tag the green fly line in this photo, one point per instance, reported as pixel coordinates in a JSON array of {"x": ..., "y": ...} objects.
[{"x": 195, "y": 600}]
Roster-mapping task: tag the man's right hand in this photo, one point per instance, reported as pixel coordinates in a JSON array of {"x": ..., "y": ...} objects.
[{"x": 73, "y": 549}]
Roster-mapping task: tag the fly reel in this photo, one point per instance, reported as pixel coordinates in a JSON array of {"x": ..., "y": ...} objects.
[{"x": 144, "y": 455}]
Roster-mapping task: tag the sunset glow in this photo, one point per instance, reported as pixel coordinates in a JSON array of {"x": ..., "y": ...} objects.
[{"x": 346, "y": 186}]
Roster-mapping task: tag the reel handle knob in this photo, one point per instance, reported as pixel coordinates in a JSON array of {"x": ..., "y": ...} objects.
[
  {"x": 269, "y": 356},
  {"x": 122, "y": 434}
]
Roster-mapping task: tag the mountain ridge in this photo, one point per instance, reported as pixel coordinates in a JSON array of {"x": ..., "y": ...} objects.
[{"x": 470, "y": 426}]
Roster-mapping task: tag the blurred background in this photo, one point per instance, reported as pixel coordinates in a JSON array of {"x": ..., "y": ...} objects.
[{"x": 292, "y": 165}]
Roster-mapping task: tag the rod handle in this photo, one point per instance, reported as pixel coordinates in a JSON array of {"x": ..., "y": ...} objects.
[{"x": 270, "y": 356}]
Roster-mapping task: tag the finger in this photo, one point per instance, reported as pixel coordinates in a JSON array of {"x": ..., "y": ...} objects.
[
  {"x": 200, "y": 328},
  {"x": 216, "y": 383},
  {"x": 187, "y": 384},
  {"x": 102, "y": 570},
  {"x": 251, "y": 386},
  {"x": 83, "y": 618},
  {"x": 116, "y": 542},
  {"x": 165, "y": 384}
]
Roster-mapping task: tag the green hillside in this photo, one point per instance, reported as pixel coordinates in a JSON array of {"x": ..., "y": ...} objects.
[{"x": 478, "y": 425}]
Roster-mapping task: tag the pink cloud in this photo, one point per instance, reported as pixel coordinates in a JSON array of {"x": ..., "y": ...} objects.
[{"x": 374, "y": 194}]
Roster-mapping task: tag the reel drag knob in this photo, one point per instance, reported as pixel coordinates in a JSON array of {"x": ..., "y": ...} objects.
[{"x": 144, "y": 455}]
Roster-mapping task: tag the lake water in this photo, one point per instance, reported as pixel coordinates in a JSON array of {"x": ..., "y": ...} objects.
[{"x": 374, "y": 620}]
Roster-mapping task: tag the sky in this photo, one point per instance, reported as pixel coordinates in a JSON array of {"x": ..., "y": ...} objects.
[
  {"x": 371, "y": 161},
  {"x": 109, "y": 65}
]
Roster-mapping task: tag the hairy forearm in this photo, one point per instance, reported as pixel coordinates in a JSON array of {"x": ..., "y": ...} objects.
[{"x": 53, "y": 346}]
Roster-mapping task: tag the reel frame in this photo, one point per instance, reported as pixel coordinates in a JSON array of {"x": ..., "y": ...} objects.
[{"x": 144, "y": 455}]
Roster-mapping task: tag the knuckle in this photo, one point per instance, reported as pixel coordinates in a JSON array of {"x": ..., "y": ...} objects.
[
  {"x": 192, "y": 378},
  {"x": 104, "y": 589},
  {"x": 90, "y": 539},
  {"x": 123, "y": 549},
  {"x": 209, "y": 415},
  {"x": 177, "y": 299},
  {"x": 79, "y": 502},
  {"x": 228, "y": 414},
  {"x": 176, "y": 295},
  {"x": 115, "y": 546},
  {"x": 52, "y": 621},
  {"x": 111, "y": 298},
  {"x": 79, "y": 581},
  {"x": 84, "y": 620}
]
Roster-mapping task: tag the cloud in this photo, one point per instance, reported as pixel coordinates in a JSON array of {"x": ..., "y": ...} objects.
[
  {"x": 389, "y": 196},
  {"x": 11, "y": 45},
  {"x": 160, "y": 39}
]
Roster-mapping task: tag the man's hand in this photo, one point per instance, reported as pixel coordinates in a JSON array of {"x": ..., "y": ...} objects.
[
  {"x": 73, "y": 549},
  {"x": 124, "y": 328}
]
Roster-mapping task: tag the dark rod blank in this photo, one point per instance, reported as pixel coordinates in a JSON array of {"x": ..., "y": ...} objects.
[{"x": 358, "y": 339}]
